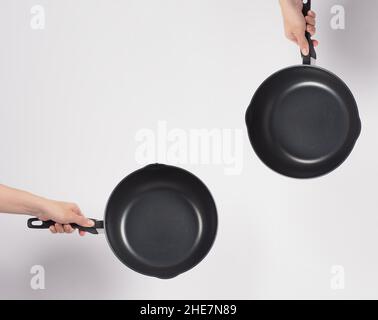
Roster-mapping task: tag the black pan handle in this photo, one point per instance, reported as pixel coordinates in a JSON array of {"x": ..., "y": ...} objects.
[
  {"x": 312, "y": 52},
  {"x": 35, "y": 223}
]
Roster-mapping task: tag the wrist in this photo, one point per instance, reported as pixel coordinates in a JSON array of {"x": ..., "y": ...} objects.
[{"x": 38, "y": 207}]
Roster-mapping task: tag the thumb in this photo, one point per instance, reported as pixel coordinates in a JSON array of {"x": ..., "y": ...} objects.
[
  {"x": 83, "y": 221},
  {"x": 303, "y": 45}
]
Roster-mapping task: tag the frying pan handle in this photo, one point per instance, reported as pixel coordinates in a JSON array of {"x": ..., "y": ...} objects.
[
  {"x": 312, "y": 52},
  {"x": 35, "y": 223}
]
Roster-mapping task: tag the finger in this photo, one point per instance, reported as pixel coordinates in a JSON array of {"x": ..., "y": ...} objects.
[
  {"x": 59, "y": 228},
  {"x": 311, "y": 29},
  {"x": 315, "y": 42},
  {"x": 76, "y": 209},
  {"x": 52, "y": 229},
  {"x": 311, "y": 14},
  {"x": 291, "y": 37},
  {"x": 303, "y": 44},
  {"x": 80, "y": 219},
  {"x": 83, "y": 221},
  {"x": 310, "y": 20},
  {"x": 67, "y": 228},
  {"x": 82, "y": 233}
]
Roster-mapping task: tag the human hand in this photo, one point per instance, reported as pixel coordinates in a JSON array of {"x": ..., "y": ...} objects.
[
  {"x": 296, "y": 24},
  {"x": 63, "y": 213}
]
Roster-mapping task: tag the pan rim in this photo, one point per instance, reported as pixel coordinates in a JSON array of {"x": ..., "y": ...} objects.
[{"x": 353, "y": 134}]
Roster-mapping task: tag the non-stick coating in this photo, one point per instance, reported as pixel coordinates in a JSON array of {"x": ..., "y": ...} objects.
[
  {"x": 161, "y": 221},
  {"x": 303, "y": 122}
]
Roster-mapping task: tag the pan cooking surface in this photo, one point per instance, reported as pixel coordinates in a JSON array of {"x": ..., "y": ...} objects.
[
  {"x": 161, "y": 227},
  {"x": 309, "y": 129}
]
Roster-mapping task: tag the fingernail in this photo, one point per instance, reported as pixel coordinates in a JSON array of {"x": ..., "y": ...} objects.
[
  {"x": 91, "y": 223},
  {"x": 305, "y": 51}
]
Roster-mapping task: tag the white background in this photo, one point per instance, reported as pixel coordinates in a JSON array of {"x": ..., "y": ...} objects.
[{"x": 73, "y": 96}]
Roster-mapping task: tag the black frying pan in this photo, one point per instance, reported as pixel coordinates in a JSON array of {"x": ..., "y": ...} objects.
[
  {"x": 303, "y": 121},
  {"x": 160, "y": 221}
]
